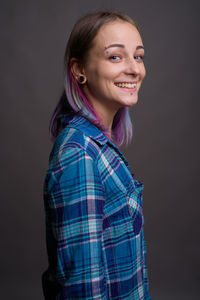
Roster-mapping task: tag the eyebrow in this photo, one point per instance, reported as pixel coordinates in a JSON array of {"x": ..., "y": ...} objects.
[{"x": 122, "y": 46}]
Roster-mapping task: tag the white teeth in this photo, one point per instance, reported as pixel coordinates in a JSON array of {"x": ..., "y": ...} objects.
[{"x": 126, "y": 85}]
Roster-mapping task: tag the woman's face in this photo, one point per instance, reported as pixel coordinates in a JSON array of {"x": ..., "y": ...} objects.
[{"x": 114, "y": 67}]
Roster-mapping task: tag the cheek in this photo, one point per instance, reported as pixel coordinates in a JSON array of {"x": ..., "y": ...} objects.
[
  {"x": 101, "y": 77},
  {"x": 143, "y": 72}
]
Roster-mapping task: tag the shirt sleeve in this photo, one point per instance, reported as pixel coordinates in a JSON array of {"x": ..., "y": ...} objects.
[{"x": 76, "y": 200}]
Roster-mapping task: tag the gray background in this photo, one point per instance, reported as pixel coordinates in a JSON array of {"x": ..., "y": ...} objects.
[{"x": 164, "y": 153}]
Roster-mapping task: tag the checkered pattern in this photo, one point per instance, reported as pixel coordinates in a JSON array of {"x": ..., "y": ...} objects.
[{"x": 94, "y": 220}]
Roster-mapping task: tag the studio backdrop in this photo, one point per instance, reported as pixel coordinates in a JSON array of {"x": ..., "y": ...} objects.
[{"x": 164, "y": 153}]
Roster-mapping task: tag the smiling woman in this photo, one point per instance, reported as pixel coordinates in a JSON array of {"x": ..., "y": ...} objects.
[
  {"x": 93, "y": 205},
  {"x": 114, "y": 69}
]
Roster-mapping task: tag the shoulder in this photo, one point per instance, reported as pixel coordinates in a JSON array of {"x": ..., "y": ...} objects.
[
  {"x": 70, "y": 159},
  {"x": 81, "y": 140},
  {"x": 80, "y": 133},
  {"x": 73, "y": 141}
]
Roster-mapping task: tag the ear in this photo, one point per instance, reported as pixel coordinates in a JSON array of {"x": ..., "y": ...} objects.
[{"x": 77, "y": 69}]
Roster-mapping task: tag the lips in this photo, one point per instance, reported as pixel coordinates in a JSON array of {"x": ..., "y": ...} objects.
[{"x": 127, "y": 85}]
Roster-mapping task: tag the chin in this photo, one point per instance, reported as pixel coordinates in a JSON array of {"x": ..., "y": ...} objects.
[{"x": 130, "y": 102}]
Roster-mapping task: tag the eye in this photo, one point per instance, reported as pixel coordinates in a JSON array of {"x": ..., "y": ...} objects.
[
  {"x": 139, "y": 57},
  {"x": 114, "y": 57}
]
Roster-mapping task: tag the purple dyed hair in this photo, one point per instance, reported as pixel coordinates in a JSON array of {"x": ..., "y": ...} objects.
[{"x": 73, "y": 99}]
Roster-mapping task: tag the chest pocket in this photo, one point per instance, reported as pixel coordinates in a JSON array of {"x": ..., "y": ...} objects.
[
  {"x": 134, "y": 198},
  {"x": 125, "y": 205}
]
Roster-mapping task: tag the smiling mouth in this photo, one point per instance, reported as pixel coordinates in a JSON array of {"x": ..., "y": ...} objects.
[{"x": 126, "y": 85}]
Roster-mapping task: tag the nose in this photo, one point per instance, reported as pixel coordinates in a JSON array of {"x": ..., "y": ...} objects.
[{"x": 132, "y": 67}]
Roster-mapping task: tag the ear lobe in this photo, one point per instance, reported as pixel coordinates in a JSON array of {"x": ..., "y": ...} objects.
[{"x": 76, "y": 68}]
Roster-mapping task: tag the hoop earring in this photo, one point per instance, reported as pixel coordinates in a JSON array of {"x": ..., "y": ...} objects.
[{"x": 82, "y": 79}]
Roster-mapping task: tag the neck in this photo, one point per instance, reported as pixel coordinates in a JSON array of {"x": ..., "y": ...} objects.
[
  {"x": 105, "y": 115},
  {"x": 106, "y": 110}
]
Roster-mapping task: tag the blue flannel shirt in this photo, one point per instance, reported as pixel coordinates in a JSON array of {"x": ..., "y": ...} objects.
[{"x": 94, "y": 221}]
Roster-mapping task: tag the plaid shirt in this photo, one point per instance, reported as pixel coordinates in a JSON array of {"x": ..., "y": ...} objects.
[{"x": 94, "y": 220}]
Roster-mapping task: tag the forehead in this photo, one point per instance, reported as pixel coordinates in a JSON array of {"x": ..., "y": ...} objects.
[{"x": 117, "y": 32}]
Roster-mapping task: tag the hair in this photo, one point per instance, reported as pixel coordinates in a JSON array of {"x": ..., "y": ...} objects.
[{"x": 73, "y": 99}]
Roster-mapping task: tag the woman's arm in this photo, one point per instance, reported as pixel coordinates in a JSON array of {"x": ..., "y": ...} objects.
[{"x": 76, "y": 201}]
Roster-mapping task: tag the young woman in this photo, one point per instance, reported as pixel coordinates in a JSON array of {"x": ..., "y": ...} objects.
[{"x": 93, "y": 205}]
